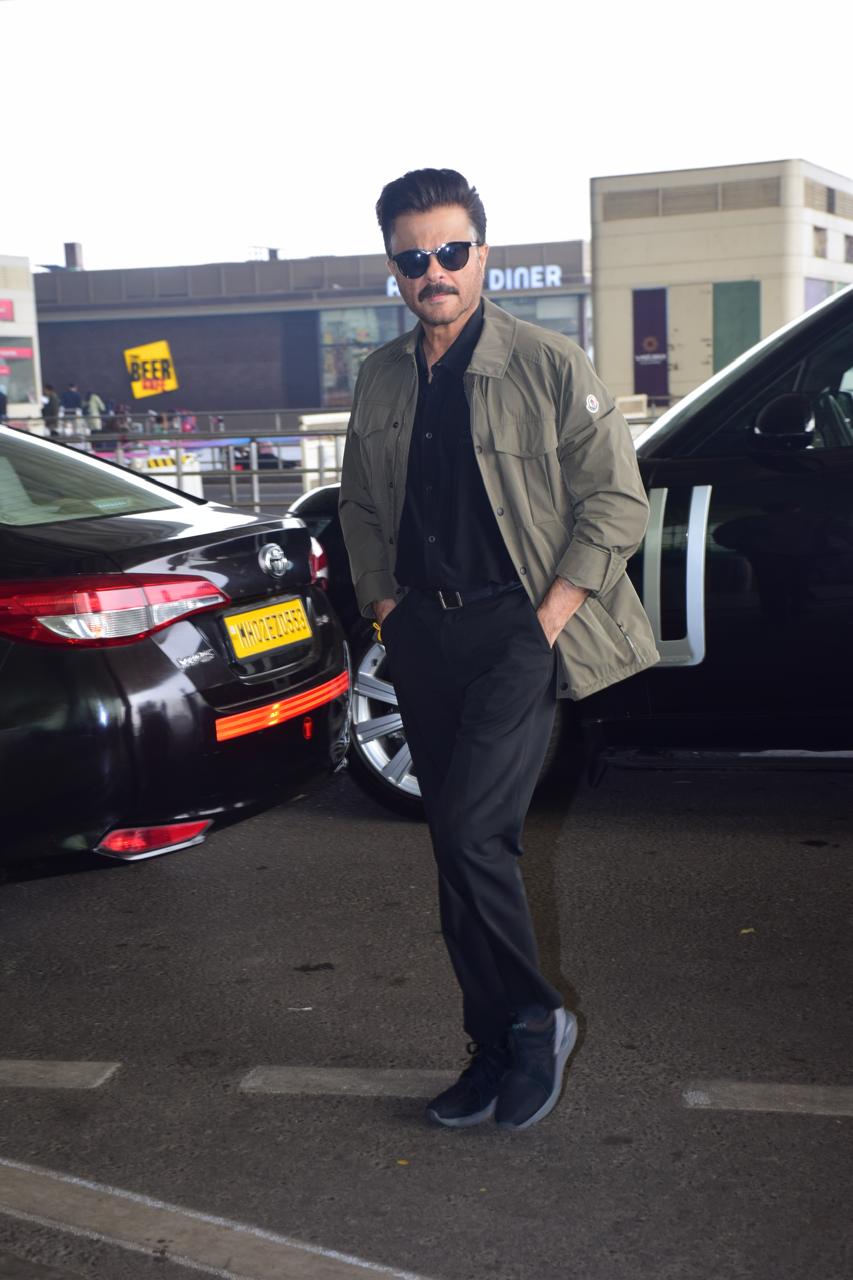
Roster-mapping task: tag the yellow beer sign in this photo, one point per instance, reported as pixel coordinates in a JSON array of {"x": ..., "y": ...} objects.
[{"x": 151, "y": 369}]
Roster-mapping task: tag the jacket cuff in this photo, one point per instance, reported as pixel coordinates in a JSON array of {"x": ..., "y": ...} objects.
[
  {"x": 378, "y": 585},
  {"x": 593, "y": 568}
]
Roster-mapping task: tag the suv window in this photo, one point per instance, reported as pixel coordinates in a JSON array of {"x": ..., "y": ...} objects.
[
  {"x": 41, "y": 483},
  {"x": 732, "y": 439},
  {"x": 828, "y": 382},
  {"x": 826, "y": 377}
]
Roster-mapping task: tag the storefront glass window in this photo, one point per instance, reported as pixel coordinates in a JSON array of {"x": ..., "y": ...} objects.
[
  {"x": 347, "y": 337},
  {"x": 816, "y": 291},
  {"x": 17, "y": 370},
  {"x": 562, "y": 313}
]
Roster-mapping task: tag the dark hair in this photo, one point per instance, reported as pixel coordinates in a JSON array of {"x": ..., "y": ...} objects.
[{"x": 425, "y": 189}]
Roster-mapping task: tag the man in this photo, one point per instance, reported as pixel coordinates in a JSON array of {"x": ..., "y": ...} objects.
[
  {"x": 490, "y": 498},
  {"x": 94, "y": 408},
  {"x": 50, "y": 408},
  {"x": 72, "y": 402}
]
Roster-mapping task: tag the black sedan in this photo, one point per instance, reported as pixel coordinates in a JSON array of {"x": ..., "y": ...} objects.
[
  {"x": 166, "y": 664},
  {"x": 746, "y": 573}
]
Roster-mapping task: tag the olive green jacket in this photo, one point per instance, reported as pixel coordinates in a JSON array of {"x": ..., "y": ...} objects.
[{"x": 560, "y": 471}]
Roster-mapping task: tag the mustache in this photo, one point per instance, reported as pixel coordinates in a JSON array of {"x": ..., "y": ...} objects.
[{"x": 433, "y": 291}]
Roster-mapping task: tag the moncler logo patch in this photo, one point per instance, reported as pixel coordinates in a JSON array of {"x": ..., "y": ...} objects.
[{"x": 592, "y": 404}]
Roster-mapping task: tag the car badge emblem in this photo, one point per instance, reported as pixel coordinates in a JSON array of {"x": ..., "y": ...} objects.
[
  {"x": 194, "y": 659},
  {"x": 273, "y": 561}
]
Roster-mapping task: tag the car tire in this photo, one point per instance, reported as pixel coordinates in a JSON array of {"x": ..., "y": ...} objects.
[{"x": 379, "y": 759}]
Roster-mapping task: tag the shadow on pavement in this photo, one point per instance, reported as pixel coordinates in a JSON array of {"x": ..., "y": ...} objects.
[{"x": 60, "y": 864}]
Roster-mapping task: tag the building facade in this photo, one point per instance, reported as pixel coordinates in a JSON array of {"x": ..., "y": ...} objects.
[
  {"x": 691, "y": 267},
  {"x": 266, "y": 334},
  {"x": 20, "y": 373}
]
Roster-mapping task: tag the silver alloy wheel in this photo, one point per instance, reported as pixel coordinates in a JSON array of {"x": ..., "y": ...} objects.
[{"x": 377, "y": 726}]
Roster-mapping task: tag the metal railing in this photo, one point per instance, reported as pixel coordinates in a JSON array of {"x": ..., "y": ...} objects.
[
  {"x": 237, "y": 461},
  {"x": 129, "y": 420}
]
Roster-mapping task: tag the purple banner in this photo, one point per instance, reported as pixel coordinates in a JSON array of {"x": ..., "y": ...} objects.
[{"x": 651, "y": 363}]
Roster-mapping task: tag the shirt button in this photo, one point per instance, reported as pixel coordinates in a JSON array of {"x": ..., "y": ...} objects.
[
  {"x": 523, "y": 569},
  {"x": 500, "y": 511},
  {"x": 431, "y": 538},
  {"x": 395, "y": 424},
  {"x": 429, "y": 435},
  {"x": 479, "y": 448}
]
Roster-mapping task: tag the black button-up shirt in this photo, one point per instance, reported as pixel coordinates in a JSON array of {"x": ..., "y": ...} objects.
[{"x": 449, "y": 535}]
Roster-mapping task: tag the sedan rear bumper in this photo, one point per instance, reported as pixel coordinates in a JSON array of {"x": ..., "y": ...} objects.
[{"x": 137, "y": 763}]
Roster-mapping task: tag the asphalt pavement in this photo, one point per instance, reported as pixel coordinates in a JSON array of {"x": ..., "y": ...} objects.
[{"x": 698, "y": 923}]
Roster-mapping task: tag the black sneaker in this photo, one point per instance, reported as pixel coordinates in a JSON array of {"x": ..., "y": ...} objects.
[
  {"x": 473, "y": 1097},
  {"x": 540, "y": 1042}
]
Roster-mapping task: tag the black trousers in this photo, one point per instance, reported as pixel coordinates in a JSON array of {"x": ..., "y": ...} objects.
[{"x": 477, "y": 693}]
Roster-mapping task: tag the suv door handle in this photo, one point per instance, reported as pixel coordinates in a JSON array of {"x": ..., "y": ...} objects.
[{"x": 687, "y": 650}]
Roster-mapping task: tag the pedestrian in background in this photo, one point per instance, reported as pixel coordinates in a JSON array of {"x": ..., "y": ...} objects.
[
  {"x": 72, "y": 407},
  {"x": 94, "y": 408},
  {"x": 490, "y": 499},
  {"x": 50, "y": 409}
]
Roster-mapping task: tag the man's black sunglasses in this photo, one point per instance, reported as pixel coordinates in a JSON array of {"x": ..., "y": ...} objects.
[{"x": 453, "y": 256}]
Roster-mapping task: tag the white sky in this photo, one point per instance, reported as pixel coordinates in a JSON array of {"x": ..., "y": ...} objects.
[{"x": 176, "y": 131}]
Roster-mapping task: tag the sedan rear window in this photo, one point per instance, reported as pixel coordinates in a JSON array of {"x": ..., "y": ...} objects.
[{"x": 42, "y": 483}]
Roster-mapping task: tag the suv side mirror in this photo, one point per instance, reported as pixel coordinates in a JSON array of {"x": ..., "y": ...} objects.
[{"x": 785, "y": 424}]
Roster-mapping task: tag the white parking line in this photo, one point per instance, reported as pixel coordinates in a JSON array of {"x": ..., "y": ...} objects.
[
  {"x": 736, "y": 1095},
  {"x": 34, "y": 1073},
  {"x": 355, "y": 1082},
  {"x": 215, "y": 1246}
]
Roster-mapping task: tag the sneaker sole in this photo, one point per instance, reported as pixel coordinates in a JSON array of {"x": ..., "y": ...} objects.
[
  {"x": 464, "y": 1122},
  {"x": 567, "y": 1031}
]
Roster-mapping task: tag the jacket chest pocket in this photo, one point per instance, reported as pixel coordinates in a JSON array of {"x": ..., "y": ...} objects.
[
  {"x": 378, "y": 430},
  {"x": 526, "y": 450}
]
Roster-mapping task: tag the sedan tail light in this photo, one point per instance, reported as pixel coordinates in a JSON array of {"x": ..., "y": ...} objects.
[
  {"x": 104, "y": 609},
  {"x": 318, "y": 563}
]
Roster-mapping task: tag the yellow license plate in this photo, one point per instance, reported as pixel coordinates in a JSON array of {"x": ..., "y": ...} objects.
[{"x": 272, "y": 627}]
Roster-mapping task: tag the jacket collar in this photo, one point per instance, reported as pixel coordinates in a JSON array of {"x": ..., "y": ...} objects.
[{"x": 491, "y": 354}]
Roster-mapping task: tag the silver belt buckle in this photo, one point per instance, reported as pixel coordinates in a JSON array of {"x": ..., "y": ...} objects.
[{"x": 444, "y": 604}]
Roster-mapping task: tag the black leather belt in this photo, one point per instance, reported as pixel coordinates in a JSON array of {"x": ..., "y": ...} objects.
[{"x": 458, "y": 599}]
